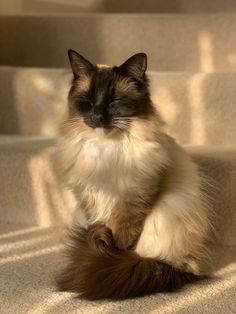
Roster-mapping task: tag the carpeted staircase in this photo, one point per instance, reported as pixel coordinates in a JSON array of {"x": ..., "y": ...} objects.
[{"x": 192, "y": 51}]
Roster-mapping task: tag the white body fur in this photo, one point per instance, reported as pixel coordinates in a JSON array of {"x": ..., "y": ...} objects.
[{"x": 110, "y": 169}]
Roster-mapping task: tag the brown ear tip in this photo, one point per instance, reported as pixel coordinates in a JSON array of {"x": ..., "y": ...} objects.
[
  {"x": 71, "y": 52},
  {"x": 142, "y": 55},
  {"x": 141, "y": 58}
]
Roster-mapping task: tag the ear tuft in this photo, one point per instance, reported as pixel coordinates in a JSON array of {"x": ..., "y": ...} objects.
[
  {"x": 135, "y": 66},
  {"x": 79, "y": 64}
]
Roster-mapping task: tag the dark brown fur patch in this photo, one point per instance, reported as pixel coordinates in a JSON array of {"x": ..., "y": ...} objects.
[
  {"x": 127, "y": 220},
  {"x": 126, "y": 223},
  {"x": 97, "y": 269},
  {"x": 100, "y": 95}
]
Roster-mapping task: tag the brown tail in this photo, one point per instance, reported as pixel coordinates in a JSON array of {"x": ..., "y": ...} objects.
[{"x": 98, "y": 270}]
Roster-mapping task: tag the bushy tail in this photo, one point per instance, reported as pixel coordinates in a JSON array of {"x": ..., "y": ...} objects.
[{"x": 98, "y": 270}]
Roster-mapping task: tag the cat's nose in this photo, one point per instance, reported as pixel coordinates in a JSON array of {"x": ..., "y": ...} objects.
[{"x": 98, "y": 118}]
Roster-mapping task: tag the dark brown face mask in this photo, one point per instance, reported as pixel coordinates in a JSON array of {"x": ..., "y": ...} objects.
[{"x": 113, "y": 95}]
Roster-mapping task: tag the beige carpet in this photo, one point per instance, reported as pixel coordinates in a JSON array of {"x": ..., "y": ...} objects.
[
  {"x": 173, "y": 42},
  {"x": 31, "y": 257}
]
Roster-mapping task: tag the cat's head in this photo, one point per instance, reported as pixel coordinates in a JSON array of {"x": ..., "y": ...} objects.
[{"x": 108, "y": 98}]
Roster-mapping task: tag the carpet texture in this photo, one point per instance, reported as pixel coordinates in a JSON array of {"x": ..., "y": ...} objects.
[
  {"x": 121, "y": 6},
  {"x": 30, "y": 189},
  {"x": 173, "y": 42},
  {"x": 31, "y": 258}
]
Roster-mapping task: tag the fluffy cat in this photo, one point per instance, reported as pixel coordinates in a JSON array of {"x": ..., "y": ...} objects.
[{"x": 144, "y": 198}]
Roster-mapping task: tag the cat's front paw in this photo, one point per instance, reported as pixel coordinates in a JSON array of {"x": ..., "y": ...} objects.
[{"x": 126, "y": 236}]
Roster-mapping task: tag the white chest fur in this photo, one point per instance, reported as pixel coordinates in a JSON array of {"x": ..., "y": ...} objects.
[{"x": 111, "y": 170}]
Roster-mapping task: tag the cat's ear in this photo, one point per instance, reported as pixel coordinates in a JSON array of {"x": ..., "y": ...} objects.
[
  {"x": 135, "y": 66},
  {"x": 79, "y": 65}
]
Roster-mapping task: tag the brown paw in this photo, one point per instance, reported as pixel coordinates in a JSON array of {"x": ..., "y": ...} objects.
[
  {"x": 126, "y": 236},
  {"x": 100, "y": 236}
]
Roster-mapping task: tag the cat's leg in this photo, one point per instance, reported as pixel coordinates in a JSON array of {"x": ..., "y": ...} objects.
[
  {"x": 126, "y": 223},
  {"x": 175, "y": 232}
]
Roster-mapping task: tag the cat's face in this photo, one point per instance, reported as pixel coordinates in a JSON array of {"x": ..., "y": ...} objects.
[{"x": 109, "y": 97}]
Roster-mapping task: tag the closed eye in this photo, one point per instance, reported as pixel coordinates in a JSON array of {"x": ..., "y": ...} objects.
[
  {"x": 123, "y": 107},
  {"x": 84, "y": 105},
  {"x": 115, "y": 101}
]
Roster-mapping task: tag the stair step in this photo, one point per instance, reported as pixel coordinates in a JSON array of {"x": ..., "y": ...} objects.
[
  {"x": 173, "y": 42},
  {"x": 122, "y": 6},
  {"x": 196, "y": 106},
  {"x": 32, "y": 193},
  {"x": 218, "y": 164},
  {"x": 170, "y": 6}
]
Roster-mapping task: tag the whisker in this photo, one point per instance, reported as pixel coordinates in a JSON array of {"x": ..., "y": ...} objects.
[
  {"x": 123, "y": 127},
  {"x": 73, "y": 120},
  {"x": 124, "y": 118},
  {"x": 128, "y": 122}
]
